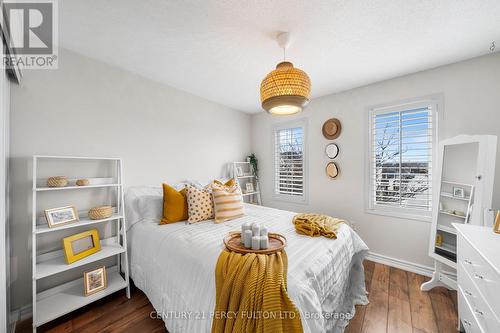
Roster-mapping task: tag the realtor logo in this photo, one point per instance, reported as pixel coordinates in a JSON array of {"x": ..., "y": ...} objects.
[{"x": 31, "y": 27}]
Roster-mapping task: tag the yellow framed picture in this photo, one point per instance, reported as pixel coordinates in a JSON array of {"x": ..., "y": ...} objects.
[
  {"x": 496, "y": 227},
  {"x": 95, "y": 280},
  {"x": 62, "y": 215},
  {"x": 81, "y": 245}
]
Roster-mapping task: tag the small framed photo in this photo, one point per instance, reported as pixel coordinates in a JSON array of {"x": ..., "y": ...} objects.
[
  {"x": 62, "y": 215},
  {"x": 239, "y": 171},
  {"x": 95, "y": 281},
  {"x": 81, "y": 245},
  {"x": 458, "y": 192},
  {"x": 249, "y": 187}
]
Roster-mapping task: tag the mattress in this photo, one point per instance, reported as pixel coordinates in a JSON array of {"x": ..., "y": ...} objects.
[{"x": 174, "y": 266}]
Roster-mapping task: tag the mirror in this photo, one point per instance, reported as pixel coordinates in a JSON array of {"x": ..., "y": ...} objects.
[
  {"x": 456, "y": 194},
  {"x": 462, "y": 190},
  {"x": 332, "y": 150}
]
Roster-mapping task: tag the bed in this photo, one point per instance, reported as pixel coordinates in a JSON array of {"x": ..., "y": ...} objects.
[{"x": 174, "y": 265}]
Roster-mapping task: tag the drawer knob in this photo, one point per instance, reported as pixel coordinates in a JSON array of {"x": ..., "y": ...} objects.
[
  {"x": 468, "y": 293},
  {"x": 479, "y": 312},
  {"x": 466, "y": 322},
  {"x": 468, "y": 262},
  {"x": 477, "y": 276}
]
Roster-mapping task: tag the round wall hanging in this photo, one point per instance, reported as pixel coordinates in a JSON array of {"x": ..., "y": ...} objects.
[
  {"x": 331, "y": 129},
  {"x": 332, "y": 150},
  {"x": 332, "y": 170}
]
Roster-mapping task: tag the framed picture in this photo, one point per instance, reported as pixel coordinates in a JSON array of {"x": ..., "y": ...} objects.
[
  {"x": 95, "y": 280},
  {"x": 239, "y": 171},
  {"x": 458, "y": 192},
  {"x": 249, "y": 187},
  {"x": 496, "y": 227},
  {"x": 81, "y": 245},
  {"x": 59, "y": 216}
]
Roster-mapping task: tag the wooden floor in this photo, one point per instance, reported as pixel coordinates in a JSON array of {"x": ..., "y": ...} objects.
[{"x": 396, "y": 306}]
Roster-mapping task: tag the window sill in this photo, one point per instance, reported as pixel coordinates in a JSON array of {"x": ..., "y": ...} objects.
[{"x": 401, "y": 215}]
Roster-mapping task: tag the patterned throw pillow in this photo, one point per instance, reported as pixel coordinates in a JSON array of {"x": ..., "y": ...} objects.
[
  {"x": 200, "y": 204},
  {"x": 228, "y": 201}
]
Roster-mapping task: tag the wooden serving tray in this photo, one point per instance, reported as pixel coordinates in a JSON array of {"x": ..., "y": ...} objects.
[{"x": 233, "y": 243}]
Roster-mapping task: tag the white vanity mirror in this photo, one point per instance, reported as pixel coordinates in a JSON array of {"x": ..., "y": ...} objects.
[{"x": 463, "y": 188}]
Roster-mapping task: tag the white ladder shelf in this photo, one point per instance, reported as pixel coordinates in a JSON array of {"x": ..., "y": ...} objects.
[
  {"x": 248, "y": 177},
  {"x": 57, "y": 301}
]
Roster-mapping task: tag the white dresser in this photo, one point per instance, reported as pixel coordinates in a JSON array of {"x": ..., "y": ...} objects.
[{"x": 478, "y": 269}]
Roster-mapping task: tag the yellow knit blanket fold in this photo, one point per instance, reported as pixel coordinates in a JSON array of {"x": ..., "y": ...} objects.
[
  {"x": 251, "y": 295},
  {"x": 316, "y": 225}
]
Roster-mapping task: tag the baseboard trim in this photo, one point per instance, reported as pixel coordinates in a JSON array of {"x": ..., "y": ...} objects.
[
  {"x": 403, "y": 264},
  {"x": 22, "y": 313}
]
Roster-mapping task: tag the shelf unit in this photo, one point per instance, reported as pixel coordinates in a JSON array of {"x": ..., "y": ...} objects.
[
  {"x": 254, "y": 197},
  {"x": 64, "y": 298},
  {"x": 450, "y": 196},
  {"x": 68, "y": 297},
  {"x": 451, "y": 214},
  {"x": 449, "y": 230}
]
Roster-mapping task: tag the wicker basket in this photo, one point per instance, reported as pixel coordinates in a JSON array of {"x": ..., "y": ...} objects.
[
  {"x": 57, "y": 181},
  {"x": 82, "y": 182},
  {"x": 100, "y": 212}
]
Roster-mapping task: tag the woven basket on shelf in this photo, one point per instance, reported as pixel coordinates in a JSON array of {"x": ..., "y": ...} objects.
[
  {"x": 82, "y": 182},
  {"x": 57, "y": 181},
  {"x": 100, "y": 212}
]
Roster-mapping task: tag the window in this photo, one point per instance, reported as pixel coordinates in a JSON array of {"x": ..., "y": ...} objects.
[
  {"x": 402, "y": 144},
  {"x": 289, "y": 166}
]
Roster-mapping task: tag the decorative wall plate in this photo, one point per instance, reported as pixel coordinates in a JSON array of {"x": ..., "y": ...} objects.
[
  {"x": 332, "y": 170},
  {"x": 332, "y": 150},
  {"x": 331, "y": 129}
]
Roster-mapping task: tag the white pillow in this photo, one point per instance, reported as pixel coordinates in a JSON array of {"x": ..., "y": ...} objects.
[{"x": 142, "y": 202}]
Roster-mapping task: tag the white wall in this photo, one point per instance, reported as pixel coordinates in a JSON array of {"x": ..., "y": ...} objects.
[
  {"x": 4, "y": 199},
  {"x": 470, "y": 91},
  {"x": 91, "y": 109}
]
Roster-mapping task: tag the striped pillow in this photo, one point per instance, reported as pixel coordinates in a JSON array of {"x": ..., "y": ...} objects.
[{"x": 228, "y": 201}]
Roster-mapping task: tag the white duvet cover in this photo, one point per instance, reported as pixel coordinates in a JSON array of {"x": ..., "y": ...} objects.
[{"x": 174, "y": 266}]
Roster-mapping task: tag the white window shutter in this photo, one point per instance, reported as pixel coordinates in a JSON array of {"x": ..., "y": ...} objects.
[
  {"x": 402, "y": 144},
  {"x": 289, "y": 161}
]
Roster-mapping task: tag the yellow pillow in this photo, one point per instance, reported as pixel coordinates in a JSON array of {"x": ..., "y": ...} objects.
[{"x": 175, "y": 207}]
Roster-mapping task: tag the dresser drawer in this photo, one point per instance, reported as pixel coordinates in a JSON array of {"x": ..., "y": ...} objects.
[
  {"x": 481, "y": 273},
  {"x": 465, "y": 314},
  {"x": 478, "y": 306}
]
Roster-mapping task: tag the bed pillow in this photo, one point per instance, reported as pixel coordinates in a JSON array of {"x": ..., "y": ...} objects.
[
  {"x": 175, "y": 207},
  {"x": 228, "y": 202},
  {"x": 230, "y": 182},
  {"x": 200, "y": 204}
]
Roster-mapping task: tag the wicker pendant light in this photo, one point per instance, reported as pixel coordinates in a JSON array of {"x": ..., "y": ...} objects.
[{"x": 286, "y": 89}]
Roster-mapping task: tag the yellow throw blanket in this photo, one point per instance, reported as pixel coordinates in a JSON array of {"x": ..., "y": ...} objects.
[
  {"x": 316, "y": 225},
  {"x": 251, "y": 295}
]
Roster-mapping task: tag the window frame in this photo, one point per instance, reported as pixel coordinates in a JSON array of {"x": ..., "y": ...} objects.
[
  {"x": 435, "y": 103},
  {"x": 303, "y": 199}
]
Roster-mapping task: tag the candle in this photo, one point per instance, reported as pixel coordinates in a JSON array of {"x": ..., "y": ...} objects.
[
  {"x": 247, "y": 239},
  {"x": 255, "y": 229},
  {"x": 246, "y": 226},
  {"x": 263, "y": 231},
  {"x": 256, "y": 243},
  {"x": 264, "y": 242}
]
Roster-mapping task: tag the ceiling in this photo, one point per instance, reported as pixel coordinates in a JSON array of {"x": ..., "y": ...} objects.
[{"x": 221, "y": 50}]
